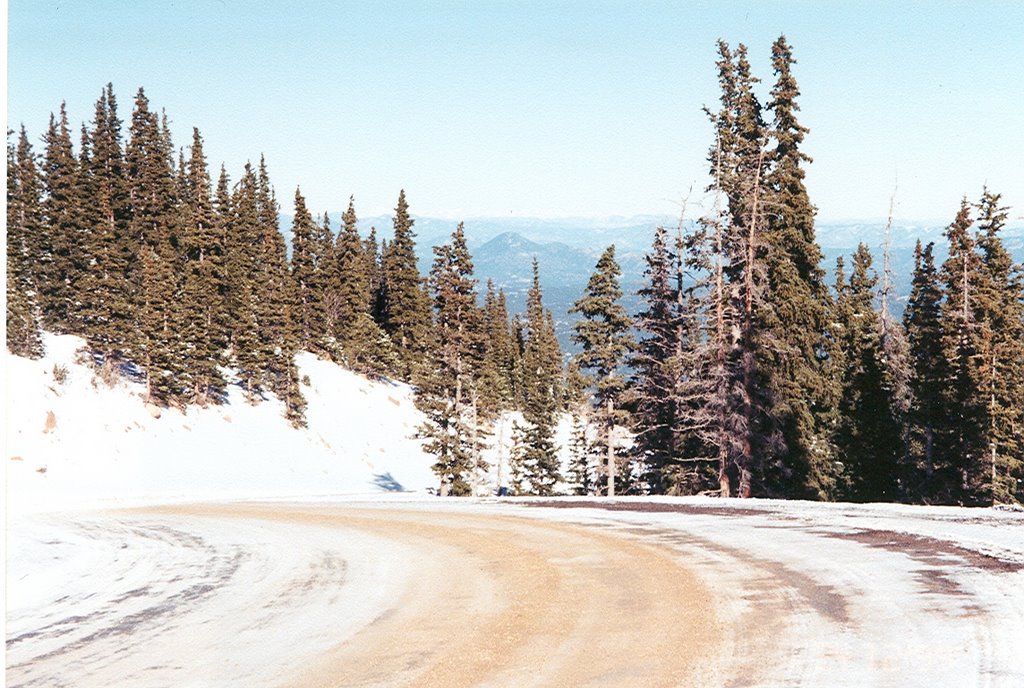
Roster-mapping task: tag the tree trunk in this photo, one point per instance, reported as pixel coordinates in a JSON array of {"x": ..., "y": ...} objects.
[
  {"x": 611, "y": 448},
  {"x": 723, "y": 475}
]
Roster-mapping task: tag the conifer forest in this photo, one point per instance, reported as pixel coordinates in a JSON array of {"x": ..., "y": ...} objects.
[{"x": 751, "y": 369}]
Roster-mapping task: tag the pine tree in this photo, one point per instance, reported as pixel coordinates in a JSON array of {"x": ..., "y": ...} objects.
[
  {"x": 796, "y": 295},
  {"x": 308, "y": 276},
  {"x": 106, "y": 312},
  {"x": 659, "y": 364},
  {"x": 963, "y": 473},
  {"x": 352, "y": 291},
  {"x": 499, "y": 351},
  {"x": 240, "y": 212},
  {"x": 750, "y": 436},
  {"x": 603, "y": 333},
  {"x": 203, "y": 244},
  {"x": 584, "y": 459},
  {"x": 23, "y": 220},
  {"x": 869, "y": 436},
  {"x": 542, "y": 394},
  {"x": 926, "y": 417},
  {"x": 153, "y": 221},
  {"x": 448, "y": 394},
  {"x": 896, "y": 367},
  {"x": 277, "y": 304},
  {"x": 999, "y": 304},
  {"x": 405, "y": 309},
  {"x": 367, "y": 349},
  {"x": 62, "y": 261},
  {"x": 328, "y": 278}
]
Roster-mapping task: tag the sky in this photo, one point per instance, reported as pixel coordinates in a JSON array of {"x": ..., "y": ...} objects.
[{"x": 543, "y": 109}]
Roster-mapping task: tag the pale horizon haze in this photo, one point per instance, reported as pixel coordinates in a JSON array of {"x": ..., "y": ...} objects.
[{"x": 538, "y": 109}]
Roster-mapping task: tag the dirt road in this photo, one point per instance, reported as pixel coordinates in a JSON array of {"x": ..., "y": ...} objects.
[
  {"x": 460, "y": 599},
  {"x": 457, "y": 593}
]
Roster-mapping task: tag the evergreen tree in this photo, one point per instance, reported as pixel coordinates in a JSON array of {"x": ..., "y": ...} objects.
[
  {"x": 366, "y": 346},
  {"x": 496, "y": 381},
  {"x": 750, "y": 437},
  {"x": 153, "y": 221},
  {"x": 446, "y": 391},
  {"x": 963, "y": 474},
  {"x": 584, "y": 458},
  {"x": 869, "y": 436},
  {"x": 603, "y": 333},
  {"x": 308, "y": 276},
  {"x": 654, "y": 377},
  {"x": 329, "y": 279},
  {"x": 352, "y": 292},
  {"x": 23, "y": 221},
  {"x": 405, "y": 309},
  {"x": 896, "y": 367},
  {"x": 999, "y": 304},
  {"x": 61, "y": 258},
  {"x": 926, "y": 417},
  {"x": 796, "y": 296},
  {"x": 542, "y": 395},
  {"x": 203, "y": 244},
  {"x": 88, "y": 218},
  {"x": 243, "y": 244},
  {"x": 277, "y": 304}
]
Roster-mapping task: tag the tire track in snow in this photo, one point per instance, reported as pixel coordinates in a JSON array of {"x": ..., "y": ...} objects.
[{"x": 836, "y": 595}]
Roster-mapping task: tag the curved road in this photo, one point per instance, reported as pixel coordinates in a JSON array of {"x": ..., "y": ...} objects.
[{"x": 523, "y": 594}]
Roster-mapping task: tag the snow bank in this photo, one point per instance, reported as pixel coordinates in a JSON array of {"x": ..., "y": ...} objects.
[{"x": 77, "y": 442}]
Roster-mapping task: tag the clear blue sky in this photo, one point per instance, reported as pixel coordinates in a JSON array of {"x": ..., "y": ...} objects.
[{"x": 543, "y": 108}]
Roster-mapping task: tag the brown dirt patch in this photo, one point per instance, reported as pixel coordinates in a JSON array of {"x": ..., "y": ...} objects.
[{"x": 512, "y": 601}]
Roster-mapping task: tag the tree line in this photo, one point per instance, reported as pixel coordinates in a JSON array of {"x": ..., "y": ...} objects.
[{"x": 746, "y": 373}]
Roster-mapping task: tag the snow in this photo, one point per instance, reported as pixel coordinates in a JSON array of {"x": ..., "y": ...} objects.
[
  {"x": 194, "y": 598},
  {"x": 810, "y": 594},
  {"x": 831, "y": 594},
  {"x": 81, "y": 443}
]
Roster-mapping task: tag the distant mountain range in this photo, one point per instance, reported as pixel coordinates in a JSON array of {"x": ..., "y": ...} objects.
[{"x": 567, "y": 250}]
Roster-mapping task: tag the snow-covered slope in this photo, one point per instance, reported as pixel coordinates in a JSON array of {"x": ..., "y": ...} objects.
[{"x": 82, "y": 443}]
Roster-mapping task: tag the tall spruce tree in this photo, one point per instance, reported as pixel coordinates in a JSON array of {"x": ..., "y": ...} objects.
[
  {"x": 869, "y": 436},
  {"x": 797, "y": 297},
  {"x": 329, "y": 278},
  {"x": 751, "y": 433},
  {"x": 203, "y": 291},
  {"x": 309, "y": 278},
  {"x": 897, "y": 367},
  {"x": 243, "y": 241},
  {"x": 655, "y": 376},
  {"x": 926, "y": 417},
  {"x": 963, "y": 472},
  {"x": 154, "y": 222},
  {"x": 277, "y": 304},
  {"x": 447, "y": 389},
  {"x": 106, "y": 312},
  {"x": 351, "y": 295},
  {"x": 497, "y": 365},
  {"x": 23, "y": 222},
  {"x": 603, "y": 332},
  {"x": 537, "y": 454},
  {"x": 999, "y": 304},
  {"x": 405, "y": 307},
  {"x": 61, "y": 257}
]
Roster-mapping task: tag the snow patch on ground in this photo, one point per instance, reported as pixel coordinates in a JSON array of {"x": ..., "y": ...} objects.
[{"x": 79, "y": 443}]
